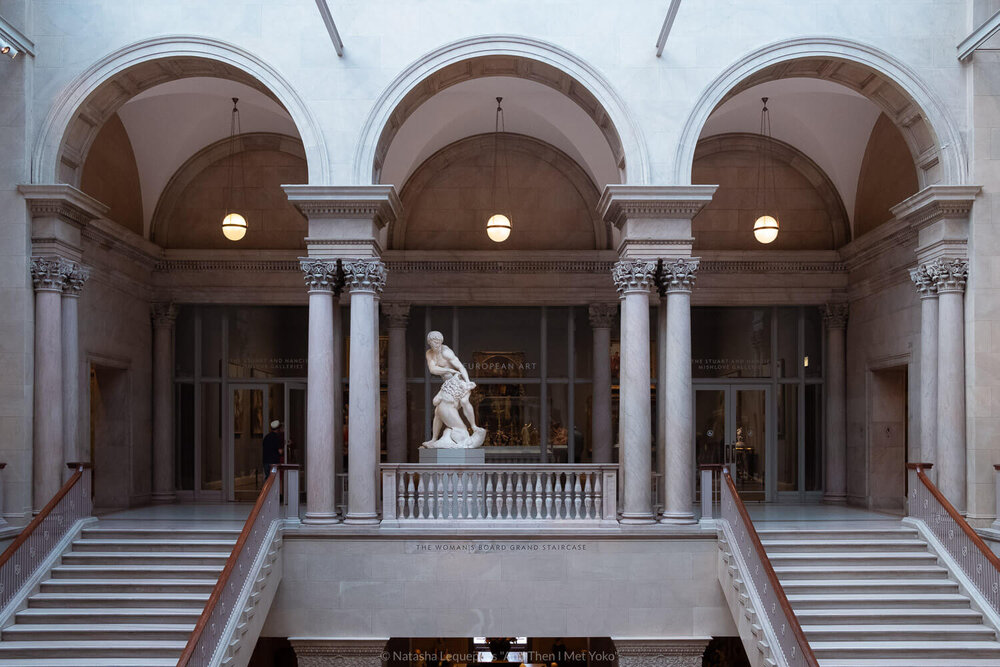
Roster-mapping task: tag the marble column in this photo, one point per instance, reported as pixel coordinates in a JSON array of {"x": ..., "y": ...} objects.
[
  {"x": 398, "y": 315},
  {"x": 47, "y": 276},
  {"x": 164, "y": 315},
  {"x": 340, "y": 652},
  {"x": 661, "y": 391},
  {"x": 950, "y": 276},
  {"x": 364, "y": 279},
  {"x": 322, "y": 457},
  {"x": 927, "y": 289},
  {"x": 76, "y": 276},
  {"x": 634, "y": 278},
  {"x": 601, "y": 319},
  {"x": 685, "y": 652},
  {"x": 677, "y": 277},
  {"x": 337, "y": 405},
  {"x": 835, "y": 459}
]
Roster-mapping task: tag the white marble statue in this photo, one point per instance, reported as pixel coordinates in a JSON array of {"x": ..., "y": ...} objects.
[{"x": 450, "y": 431}]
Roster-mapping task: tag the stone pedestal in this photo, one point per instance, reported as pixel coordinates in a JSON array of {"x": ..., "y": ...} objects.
[
  {"x": 665, "y": 652},
  {"x": 453, "y": 456}
]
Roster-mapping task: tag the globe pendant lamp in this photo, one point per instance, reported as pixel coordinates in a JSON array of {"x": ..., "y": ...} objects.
[
  {"x": 765, "y": 227},
  {"x": 498, "y": 227},
  {"x": 234, "y": 225}
]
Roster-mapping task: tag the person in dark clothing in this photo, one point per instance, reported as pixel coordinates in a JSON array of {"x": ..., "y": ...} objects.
[{"x": 274, "y": 443}]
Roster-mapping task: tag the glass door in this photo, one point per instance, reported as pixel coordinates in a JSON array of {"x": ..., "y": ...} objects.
[
  {"x": 251, "y": 412},
  {"x": 295, "y": 427}
]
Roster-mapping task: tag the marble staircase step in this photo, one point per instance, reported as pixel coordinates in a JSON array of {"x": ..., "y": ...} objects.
[
  {"x": 129, "y": 572},
  {"x": 910, "y": 649},
  {"x": 103, "y": 631},
  {"x": 848, "y": 558},
  {"x": 897, "y": 616},
  {"x": 116, "y": 600},
  {"x": 868, "y": 586},
  {"x": 127, "y": 586},
  {"x": 98, "y": 615},
  {"x": 886, "y": 600},
  {"x": 156, "y": 546},
  {"x": 854, "y": 545},
  {"x": 110, "y": 533},
  {"x": 869, "y": 632},
  {"x": 858, "y": 571},
  {"x": 150, "y": 558},
  {"x": 87, "y": 648}
]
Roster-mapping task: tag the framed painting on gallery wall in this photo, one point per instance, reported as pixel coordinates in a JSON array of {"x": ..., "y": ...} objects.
[
  {"x": 256, "y": 413},
  {"x": 239, "y": 414}
]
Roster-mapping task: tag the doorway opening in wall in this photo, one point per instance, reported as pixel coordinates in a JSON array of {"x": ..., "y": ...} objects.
[
  {"x": 757, "y": 375},
  {"x": 887, "y": 438},
  {"x": 110, "y": 435}
]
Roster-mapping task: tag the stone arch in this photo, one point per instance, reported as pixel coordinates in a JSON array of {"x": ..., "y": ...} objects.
[
  {"x": 465, "y": 149},
  {"x": 793, "y": 157},
  {"x": 501, "y": 55},
  {"x": 924, "y": 121},
  {"x": 90, "y": 99},
  {"x": 207, "y": 156}
]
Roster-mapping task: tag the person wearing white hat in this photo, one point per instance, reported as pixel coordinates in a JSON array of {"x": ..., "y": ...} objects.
[{"x": 273, "y": 446}]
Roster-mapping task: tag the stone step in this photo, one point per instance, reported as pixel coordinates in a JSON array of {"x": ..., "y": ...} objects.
[
  {"x": 114, "y": 601},
  {"x": 868, "y": 586},
  {"x": 897, "y": 616},
  {"x": 96, "y": 615},
  {"x": 155, "y": 546},
  {"x": 101, "y": 532},
  {"x": 89, "y": 662},
  {"x": 886, "y": 600},
  {"x": 859, "y": 571},
  {"x": 820, "y": 561},
  {"x": 132, "y": 559},
  {"x": 37, "y": 632},
  {"x": 902, "y": 532},
  {"x": 914, "y": 632},
  {"x": 127, "y": 586},
  {"x": 908, "y": 662},
  {"x": 78, "y": 649},
  {"x": 210, "y": 572},
  {"x": 824, "y": 546},
  {"x": 911, "y": 649}
]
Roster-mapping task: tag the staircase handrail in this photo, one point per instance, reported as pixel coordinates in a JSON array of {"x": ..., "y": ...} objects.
[
  {"x": 980, "y": 564},
  {"x": 202, "y": 646},
  {"x": 800, "y": 652},
  {"x": 32, "y": 546}
]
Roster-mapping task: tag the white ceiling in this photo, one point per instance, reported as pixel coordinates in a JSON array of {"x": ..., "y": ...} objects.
[
  {"x": 828, "y": 122},
  {"x": 169, "y": 123},
  {"x": 469, "y": 108}
]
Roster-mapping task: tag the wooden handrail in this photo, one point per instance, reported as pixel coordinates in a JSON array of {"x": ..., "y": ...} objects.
[
  {"x": 23, "y": 536},
  {"x": 227, "y": 571},
  {"x": 953, "y": 513},
  {"x": 772, "y": 576}
]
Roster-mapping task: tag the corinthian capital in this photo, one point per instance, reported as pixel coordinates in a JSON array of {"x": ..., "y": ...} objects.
[
  {"x": 835, "y": 314},
  {"x": 320, "y": 274},
  {"x": 603, "y": 315},
  {"x": 74, "y": 278},
  {"x": 48, "y": 274},
  {"x": 634, "y": 275},
  {"x": 924, "y": 280},
  {"x": 364, "y": 275},
  {"x": 950, "y": 275},
  {"x": 397, "y": 314},
  {"x": 678, "y": 275},
  {"x": 164, "y": 314}
]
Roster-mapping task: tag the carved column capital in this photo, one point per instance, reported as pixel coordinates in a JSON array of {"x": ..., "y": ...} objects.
[
  {"x": 320, "y": 275},
  {"x": 163, "y": 313},
  {"x": 924, "y": 281},
  {"x": 603, "y": 315},
  {"x": 634, "y": 275},
  {"x": 339, "y": 652},
  {"x": 397, "y": 314},
  {"x": 48, "y": 273},
  {"x": 364, "y": 275},
  {"x": 835, "y": 314},
  {"x": 660, "y": 652},
  {"x": 949, "y": 275},
  {"x": 678, "y": 275},
  {"x": 76, "y": 275}
]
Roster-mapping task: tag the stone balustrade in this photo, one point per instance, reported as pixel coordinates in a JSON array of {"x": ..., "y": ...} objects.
[{"x": 420, "y": 493}]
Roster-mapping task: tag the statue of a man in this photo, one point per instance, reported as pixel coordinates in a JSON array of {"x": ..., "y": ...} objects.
[{"x": 452, "y": 400}]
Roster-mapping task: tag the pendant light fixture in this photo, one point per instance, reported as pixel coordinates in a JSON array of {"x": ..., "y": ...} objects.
[
  {"x": 498, "y": 227},
  {"x": 234, "y": 225},
  {"x": 765, "y": 227}
]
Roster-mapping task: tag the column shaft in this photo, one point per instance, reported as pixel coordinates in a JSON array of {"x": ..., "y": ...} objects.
[
  {"x": 951, "y": 455},
  {"x": 600, "y": 321},
  {"x": 337, "y": 405},
  {"x": 164, "y": 315},
  {"x": 71, "y": 382},
  {"x": 661, "y": 393},
  {"x": 928, "y": 365},
  {"x": 835, "y": 317},
  {"x": 47, "y": 453},
  {"x": 396, "y": 410}
]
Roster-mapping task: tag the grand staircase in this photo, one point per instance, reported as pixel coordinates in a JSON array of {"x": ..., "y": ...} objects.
[
  {"x": 877, "y": 596},
  {"x": 121, "y": 596}
]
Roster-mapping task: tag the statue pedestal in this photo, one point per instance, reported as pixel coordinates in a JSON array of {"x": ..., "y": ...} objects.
[{"x": 453, "y": 456}]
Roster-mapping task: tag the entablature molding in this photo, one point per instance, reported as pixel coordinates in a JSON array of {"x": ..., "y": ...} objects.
[
  {"x": 870, "y": 247},
  {"x": 620, "y": 203},
  {"x": 936, "y": 202},
  {"x": 62, "y": 201},
  {"x": 378, "y": 203}
]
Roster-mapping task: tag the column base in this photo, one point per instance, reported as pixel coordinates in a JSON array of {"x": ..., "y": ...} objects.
[
  {"x": 678, "y": 518},
  {"x": 835, "y": 499},
  {"x": 638, "y": 518},
  {"x": 361, "y": 519},
  {"x": 163, "y": 498},
  {"x": 321, "y": 518}
]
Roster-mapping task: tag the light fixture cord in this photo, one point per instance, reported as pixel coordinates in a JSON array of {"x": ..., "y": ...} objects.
[
  {"x": 496, "y": 135},
  {"x": 506, "y": 167},
  {"x": 232, "y": 146},
  {"x": 762, "y": 162},
  {"x": 768, "y": 159},
  {"x": 239, "y": 138}
]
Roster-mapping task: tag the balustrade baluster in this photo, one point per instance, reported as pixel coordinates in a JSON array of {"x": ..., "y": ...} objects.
[
  {"x": 557, "y": 491},
  {"x": 519, "y": 495},
  {"x": 548, "y": 494},
  {"x": 577, "y": 499},
  {"x": 588, "y": 496},
  {"x": 401, "y": 495},
  {"x": 489, "y": 494},
  {"x": 421, "y": 496},
  {"x": 598, "y": 495},
  {"x": 528, "y": 495},
  {"x": 509, "y": 497}
]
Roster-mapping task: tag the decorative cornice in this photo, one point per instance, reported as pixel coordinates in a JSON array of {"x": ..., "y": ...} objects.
[
  {"x": 660, "y": 652},
  {"x": 873, "y": 245},
  {"x": 339, "y": 652},
  {"x": 163, "y": 314},
  {"x": 949, "y": 275},
  {"x": 835, "y": 314},
  {"x": 924, "y": 280},
  {"x": 501, "y": 266},
  {"x": 769, "y": 266},
  {"x": 380, "y": 203},
  {"x": 602, "y": 315},
  {"x": 397, "y": 314},
  {"x": 619, "y": 203},
  {"x": 364, "y": 275},
  {"x": 250, "y": 265},
  {"x": 936, "y": 202},
  {"x": 74, "y": 278},
  {"x": 117, "y": 239},
  {"x": 62, "y": 201},
  {"x": 48, "y": 274},
  {"x": 321, "y": 275},
  {"x": 678, "y": 275},
  {"x": 634, "y": 275}
]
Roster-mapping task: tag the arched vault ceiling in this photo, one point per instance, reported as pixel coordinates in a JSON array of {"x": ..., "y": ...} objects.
[
  {"x": 530, "y": 108},
  {"x": 827, "y": 121}
]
